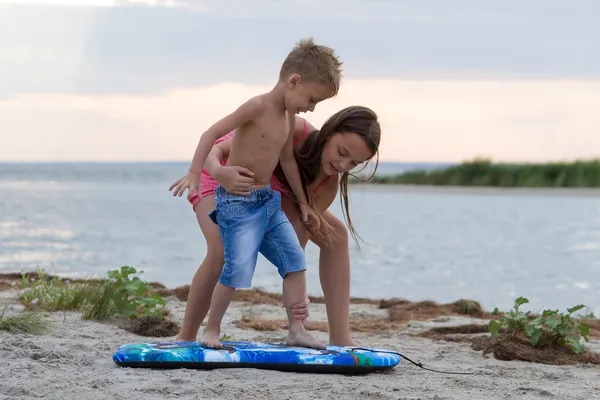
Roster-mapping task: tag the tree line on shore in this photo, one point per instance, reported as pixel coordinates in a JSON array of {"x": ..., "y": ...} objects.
[{"x": 484, "y": 172}]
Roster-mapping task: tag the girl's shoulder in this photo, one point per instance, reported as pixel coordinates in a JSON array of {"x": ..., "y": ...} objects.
[
  {"x": 302, "y": 129},
  {"x": 329, "y": 186}
]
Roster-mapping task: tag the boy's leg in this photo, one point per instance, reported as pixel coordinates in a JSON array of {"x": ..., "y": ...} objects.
[
  {"x": 294, "y": 291},
  {"x": 281, "y": 247},
  {"x": 218, "y": 306},
  {"x": 242, "y": 224}
]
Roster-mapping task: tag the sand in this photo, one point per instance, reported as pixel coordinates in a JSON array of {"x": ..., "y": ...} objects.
[{"x": 74, "y": 361}]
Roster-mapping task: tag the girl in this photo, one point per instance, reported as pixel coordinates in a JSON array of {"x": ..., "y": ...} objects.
[{"x": 348, "y": 138}]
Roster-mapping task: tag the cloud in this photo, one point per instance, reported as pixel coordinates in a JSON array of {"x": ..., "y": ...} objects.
[
  {"x": 421, "y": 120},
  {"x": 195, "y": 5},
  {"x": 71, "y": 3},
  {"x": 133, "y": 49}
]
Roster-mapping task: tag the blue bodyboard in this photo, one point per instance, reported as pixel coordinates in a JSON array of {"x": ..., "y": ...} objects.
[{"x": 335, "y": 359}]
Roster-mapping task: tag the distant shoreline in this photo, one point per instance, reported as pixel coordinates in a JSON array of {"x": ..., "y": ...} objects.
[
  {"x": 477, "y": 190},
  {"x": 483, "y": 173}
]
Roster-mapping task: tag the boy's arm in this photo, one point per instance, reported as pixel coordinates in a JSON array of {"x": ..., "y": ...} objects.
[
  {"x": 289, "y": 165},
  {"x": 290, "y": 168},
  {"x": 292, "y": 174},
  {"x": 245, "y": 113}
]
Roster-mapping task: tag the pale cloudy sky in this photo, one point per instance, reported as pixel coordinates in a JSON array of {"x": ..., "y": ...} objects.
[{"x": 451, "y": 80}]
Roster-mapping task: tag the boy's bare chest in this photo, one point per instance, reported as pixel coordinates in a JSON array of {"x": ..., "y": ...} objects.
[{"x": 269, "y": 131}]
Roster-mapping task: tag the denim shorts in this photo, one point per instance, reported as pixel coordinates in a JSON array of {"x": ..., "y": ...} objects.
[{"x": 255, "y": 224}]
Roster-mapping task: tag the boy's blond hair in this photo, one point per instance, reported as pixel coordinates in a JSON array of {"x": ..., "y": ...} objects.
[{"x": 315, "y": 63}]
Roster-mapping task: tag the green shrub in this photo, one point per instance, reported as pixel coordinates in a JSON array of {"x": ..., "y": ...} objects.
[
  {"x": 550, "y": 328},
  {"x": 123, "y": 296},
  {"x": 482, "y": 172},
  {"x": 120, "y": 295}
]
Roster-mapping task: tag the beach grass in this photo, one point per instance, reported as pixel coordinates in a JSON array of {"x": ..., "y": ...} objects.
[
  {"x": 51, "y": 293},
  {"x": 30, "y": 322},
  {"x": 121, "y": 294},
  {"x": 483, "y": 172}
]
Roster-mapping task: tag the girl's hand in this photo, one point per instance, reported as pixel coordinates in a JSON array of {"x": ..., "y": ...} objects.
[
  {"x": 190, "y": 182},
  {"x": 300, "y": 310},
  {"x": 236, "y": 180},
  {"x": 309, "y": 216}
]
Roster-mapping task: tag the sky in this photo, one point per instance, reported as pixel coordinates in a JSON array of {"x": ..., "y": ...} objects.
[{"x": 140, "y": 80}]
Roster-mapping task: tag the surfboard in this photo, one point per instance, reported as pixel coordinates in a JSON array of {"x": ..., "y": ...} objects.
[{"x": 335, "y": 359}]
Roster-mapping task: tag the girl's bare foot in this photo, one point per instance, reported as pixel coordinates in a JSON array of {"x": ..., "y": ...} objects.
[
  {"x": 303, "y": 338},
  {"x": 211, "y": 339}
]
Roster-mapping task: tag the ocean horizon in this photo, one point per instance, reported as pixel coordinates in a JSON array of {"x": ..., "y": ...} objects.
[{"x": 147, "y": 170}]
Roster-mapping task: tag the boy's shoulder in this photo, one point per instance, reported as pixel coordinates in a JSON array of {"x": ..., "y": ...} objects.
[{"x": 256, "y": 105}]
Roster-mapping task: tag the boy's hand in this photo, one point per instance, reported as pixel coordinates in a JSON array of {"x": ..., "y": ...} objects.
[
  {"x": 235, "y": 179},
  {"x": 309, "y": 216},
  {"x": 190, "y": 181}
]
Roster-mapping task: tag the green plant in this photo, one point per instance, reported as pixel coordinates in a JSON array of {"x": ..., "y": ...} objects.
[
  {"x": 589, "y": 315},
  {"x": 51, "y": 294},
  {"x": 124, "y": 296},
  {"x": 23, "y": 322},
  {"x": 550, "y": 328},
  {"x": 225, "y": 338}
]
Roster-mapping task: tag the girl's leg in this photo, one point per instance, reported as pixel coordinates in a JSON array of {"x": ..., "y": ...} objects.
[
  {"x": 334, "y": 272},
  {"x": 207, "y": 275}
]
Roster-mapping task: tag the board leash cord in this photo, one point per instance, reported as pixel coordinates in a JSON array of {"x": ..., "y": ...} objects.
[{"x": 418, "y": 364}]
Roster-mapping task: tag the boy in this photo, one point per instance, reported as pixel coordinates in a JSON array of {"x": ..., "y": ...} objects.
[{"x": 255, "y": 223}]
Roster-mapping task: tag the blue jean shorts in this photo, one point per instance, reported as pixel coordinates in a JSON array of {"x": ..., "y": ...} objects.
[{"x": 250, "y": 225}]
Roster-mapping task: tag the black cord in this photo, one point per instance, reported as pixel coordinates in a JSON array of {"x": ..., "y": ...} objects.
[{"x": 418, "y": 364}]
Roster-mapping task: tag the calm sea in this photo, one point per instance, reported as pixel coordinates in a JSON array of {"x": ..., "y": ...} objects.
[{"x": 422, "y": 243}]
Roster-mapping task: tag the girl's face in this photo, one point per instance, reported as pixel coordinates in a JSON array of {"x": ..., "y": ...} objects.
[{"x": 343, "y": 152}]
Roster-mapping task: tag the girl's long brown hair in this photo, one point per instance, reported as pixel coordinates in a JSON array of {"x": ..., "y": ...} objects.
[{"x": 359, "y": 120}]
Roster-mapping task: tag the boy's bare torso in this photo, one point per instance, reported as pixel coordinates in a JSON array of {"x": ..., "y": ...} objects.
[{"x": 257, "y": 145}]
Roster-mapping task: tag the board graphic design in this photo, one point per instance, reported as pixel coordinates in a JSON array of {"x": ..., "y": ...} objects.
[{"x": 334, "y": 359}]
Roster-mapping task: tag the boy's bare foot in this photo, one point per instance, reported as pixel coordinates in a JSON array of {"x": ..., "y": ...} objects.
[
  {"x": 304, "y": 339},
  {"x": 211, "y": 339}
]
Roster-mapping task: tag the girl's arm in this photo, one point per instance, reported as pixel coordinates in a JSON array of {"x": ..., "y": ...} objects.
[
  {"x": 235, "y": 179},
  {"x": 218, "y": 153},
  {"x": 326, "y": 194},
  {"x": 250, "y": 110},
  {"x": 239, "y": 180}
]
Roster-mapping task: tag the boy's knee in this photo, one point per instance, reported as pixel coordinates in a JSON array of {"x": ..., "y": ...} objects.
[{"x": 293, "y": 273}]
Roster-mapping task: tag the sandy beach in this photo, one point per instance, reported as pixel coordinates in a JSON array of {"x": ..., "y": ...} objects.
[{"x": 73, "y": 361}]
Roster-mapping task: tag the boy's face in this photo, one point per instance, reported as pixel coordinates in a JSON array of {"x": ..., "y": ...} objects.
[{"x": 303, "y": 96}]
